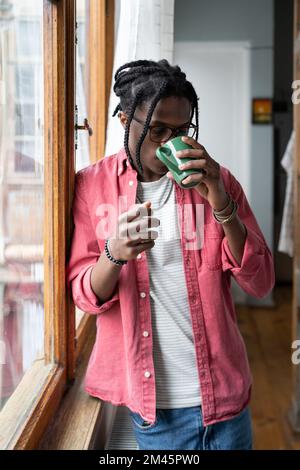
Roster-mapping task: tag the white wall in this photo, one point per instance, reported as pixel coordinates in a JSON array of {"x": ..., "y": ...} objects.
[
  {"x": 252, "y": 21},
  {"x": 220, "y": 73}
]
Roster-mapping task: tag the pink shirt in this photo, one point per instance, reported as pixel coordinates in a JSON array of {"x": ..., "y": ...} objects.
[{"x": 121, "y": 369}]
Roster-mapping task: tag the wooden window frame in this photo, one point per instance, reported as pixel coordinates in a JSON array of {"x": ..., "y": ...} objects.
[{"x": 77, "y": 409}]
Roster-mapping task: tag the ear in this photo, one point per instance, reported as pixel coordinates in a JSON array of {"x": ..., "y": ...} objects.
[{"x": 123, "y": 118}]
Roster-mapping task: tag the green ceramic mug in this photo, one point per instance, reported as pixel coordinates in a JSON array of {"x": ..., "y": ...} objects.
[{"x": 167, "y": 154}]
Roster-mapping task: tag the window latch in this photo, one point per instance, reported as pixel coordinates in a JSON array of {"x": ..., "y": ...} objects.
[{"x": 86, "y": 127}]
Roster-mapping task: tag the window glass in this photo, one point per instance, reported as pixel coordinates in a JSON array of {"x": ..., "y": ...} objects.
[{"x": 22, "y": 191}]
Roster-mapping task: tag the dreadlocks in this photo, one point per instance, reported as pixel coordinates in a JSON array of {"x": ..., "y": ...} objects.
[{"x": 146, "y": 81}]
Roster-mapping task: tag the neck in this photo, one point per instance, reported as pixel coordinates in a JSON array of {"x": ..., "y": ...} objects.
[
  {"x": 149, "y": 179},
  {"x": 149, "y": 176}
]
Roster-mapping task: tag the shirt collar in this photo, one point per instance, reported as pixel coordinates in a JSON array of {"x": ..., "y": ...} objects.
[{"x": 123, "y": 161}]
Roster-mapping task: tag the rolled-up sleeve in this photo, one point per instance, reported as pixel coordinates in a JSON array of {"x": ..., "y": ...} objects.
[
  {"x": 255, "y": 275},
  {"x": 84, "y": 254}
]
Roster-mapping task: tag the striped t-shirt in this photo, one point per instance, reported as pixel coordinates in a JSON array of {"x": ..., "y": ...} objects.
[{"x": 174, "y": 356}]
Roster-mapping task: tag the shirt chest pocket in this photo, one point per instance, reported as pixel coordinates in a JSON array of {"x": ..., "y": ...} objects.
[{"x": 212, "y": 247}]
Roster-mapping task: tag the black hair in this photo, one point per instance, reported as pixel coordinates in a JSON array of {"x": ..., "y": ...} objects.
[{"x": 148, "y": 80}]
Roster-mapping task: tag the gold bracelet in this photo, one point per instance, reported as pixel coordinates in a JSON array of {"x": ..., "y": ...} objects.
[
  {"x": 225, "y": 208},
  {"x": 222, "y": 220}
]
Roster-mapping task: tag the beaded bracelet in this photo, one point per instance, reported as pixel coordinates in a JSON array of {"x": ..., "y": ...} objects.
[{"x": 119, "y": 262}]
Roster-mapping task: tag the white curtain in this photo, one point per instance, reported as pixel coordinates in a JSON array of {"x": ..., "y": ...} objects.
[
  {"x": 145, "y": 31},
  {"x": 83, "y": 153}
]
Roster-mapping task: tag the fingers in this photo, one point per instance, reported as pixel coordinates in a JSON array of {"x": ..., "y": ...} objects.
[
  {"x": 191, "y": 141},
  {"x": 142, "y": 224},
  {"x": 191, "y": 153},
  {"x": 138, "y": 228},
  {"x": 134, "y": 227},
  {"x": 142, "y": 237},
  {"x": 194, "y": 164},
  {"x": 195, "y": 178},
  {"x": 129, "y": 215},
  {"x": 146, "y": 245},
  {"x": 136, "y": 211}
]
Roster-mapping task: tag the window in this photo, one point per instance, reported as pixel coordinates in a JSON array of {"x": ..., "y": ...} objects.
[
  {"x": 33, "y": 359},
  {"x": 22, "y": 192}
]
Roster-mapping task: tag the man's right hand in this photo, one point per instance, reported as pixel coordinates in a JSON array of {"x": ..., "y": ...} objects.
[{"x": 132, "y": 236}]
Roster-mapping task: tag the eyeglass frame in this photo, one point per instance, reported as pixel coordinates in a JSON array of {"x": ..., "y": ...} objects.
[{"x": 173, "y": 130}]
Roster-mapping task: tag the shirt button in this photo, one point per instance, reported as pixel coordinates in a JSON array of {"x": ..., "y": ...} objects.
[
  {"x": 147, "y": 374},
  {"x": 130, "y": 183},
  {"x": 146, "y": 334},
  {"x": 139, "y": 256},
  {"x": 143, "y": 295}
]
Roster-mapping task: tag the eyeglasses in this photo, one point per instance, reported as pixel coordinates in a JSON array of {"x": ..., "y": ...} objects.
[{"x": 163, "y": 134}]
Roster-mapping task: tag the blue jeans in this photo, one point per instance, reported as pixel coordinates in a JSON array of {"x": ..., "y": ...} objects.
[{"x": 182, "y": 429}]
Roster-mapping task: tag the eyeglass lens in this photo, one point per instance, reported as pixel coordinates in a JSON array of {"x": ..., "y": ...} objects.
[{"x": 164, "y": 133}]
